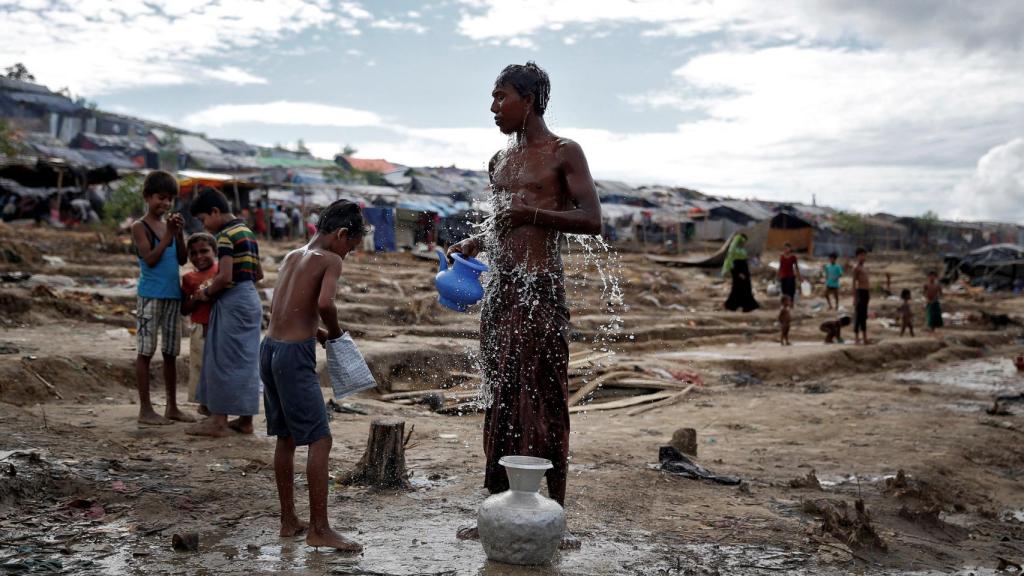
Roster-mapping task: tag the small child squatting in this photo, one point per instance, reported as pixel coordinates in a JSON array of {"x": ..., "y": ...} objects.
[
  {"x": 785, "y": 318},
  {"x": 833, "y": 329},
  {"x": 160, "y": 247},
  {"x": 906, "y": 314},
  {"x": 304, "y": 295}
]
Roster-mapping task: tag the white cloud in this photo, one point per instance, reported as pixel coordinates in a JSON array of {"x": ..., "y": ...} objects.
[
  {"x": 397, "y": 25},
  {"x": 99, "y": 46},
  {"x": 996, "y": 189},
  {"x": 994, "y": 24},
  {"x": 234, "y": 75},
  {"x": 282, "y": 112}
]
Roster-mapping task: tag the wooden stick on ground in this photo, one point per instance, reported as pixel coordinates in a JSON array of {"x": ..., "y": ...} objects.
[
  {"x": 594, "y": 384},
  {"x": 590, "y": 359},
  {"x": 673, "y": 399},
  {"x": 623, "y": 403},
  {"x": 50, "y": 387}
]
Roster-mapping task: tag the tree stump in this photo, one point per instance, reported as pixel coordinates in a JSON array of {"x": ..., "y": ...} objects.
[
  {"x": 685, "y": 440},
  {"x": 383, "y": 463}
]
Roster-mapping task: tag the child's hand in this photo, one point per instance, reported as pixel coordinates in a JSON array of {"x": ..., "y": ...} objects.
[
  {"x": 321, "y": 336},
  {"x": 175, "y": 223}
]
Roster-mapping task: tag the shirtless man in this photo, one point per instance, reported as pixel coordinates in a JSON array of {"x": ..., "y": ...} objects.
[
  {"x": 304, "y": 295},
  {"x": 542, "y": 189},
  {"x": 861, "y": 297}
]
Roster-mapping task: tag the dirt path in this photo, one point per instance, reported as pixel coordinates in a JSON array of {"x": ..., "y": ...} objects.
[{"x": 84, "y": 490}]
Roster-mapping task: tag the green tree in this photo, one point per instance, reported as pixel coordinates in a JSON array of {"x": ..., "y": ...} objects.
[
  {"x": 19, "y": 72},
  {"x": 348, "y": 150},
  {"x": 850, "y": 222},
  {"x": 125, "y": 200},
  {"x": 9, "y": 141},
  {"x": 300, "y": 147}
]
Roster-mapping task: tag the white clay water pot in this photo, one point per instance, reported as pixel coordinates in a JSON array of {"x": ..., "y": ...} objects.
[{"x": 520, "y": 526}]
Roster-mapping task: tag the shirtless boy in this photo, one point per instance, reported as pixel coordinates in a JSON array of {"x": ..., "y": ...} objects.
[
  {"x": 933, "y": 310},
  {"x": 785, "y": 319},
  {"x": 861, "y": 297},
  {"x": 304, "y": 295}
]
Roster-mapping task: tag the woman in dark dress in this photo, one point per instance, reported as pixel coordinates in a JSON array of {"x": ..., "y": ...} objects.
[{"x": 741, "y": 296}]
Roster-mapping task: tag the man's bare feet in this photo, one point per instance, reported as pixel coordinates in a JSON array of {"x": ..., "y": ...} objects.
[
  {"x": 330, "y": 539},
  {"x": 467, "y": 533},
  {"x": 210, "y": 428},
  {"x": 178, "y": 415},
  {"x": 293, "y": 527},
  {"x": 241, "y": 426},
  {"x": 569, "y": 542},
  {"x": 151, "y": 418}
]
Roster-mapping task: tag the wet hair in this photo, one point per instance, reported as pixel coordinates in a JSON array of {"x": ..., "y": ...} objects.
[
  {"x": 159, "y": 182},
  {"x": 342, "y": 214},
  {"x": 861, "y": 250},
  {"x": 905, "y": 294},
  {"x": 932, "y": 273},
  {"x": 785, "y": 298},
  {"x": 199, "y": 237},
  {"x": 833, "y": 255},
  {"x": 207, "y": 200},
  {"x": 845, "y": 321},
  {"x": 528, "y": 79},
  {"x": 787, "y": 245}
]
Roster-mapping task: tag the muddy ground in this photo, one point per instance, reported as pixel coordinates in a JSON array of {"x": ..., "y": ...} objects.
[{"x": 900, "y": 426}]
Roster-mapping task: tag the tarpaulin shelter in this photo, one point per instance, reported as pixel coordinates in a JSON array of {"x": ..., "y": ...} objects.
[{"x": 997, "y": 267}]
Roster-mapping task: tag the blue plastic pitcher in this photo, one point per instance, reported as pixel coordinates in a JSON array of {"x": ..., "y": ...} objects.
[{"x": 459, "y": 287}]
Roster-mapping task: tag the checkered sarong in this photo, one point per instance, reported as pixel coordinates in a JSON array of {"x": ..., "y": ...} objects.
[{"x": 161, "y": 316}]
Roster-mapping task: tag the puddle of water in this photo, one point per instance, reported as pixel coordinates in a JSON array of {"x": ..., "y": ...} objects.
[{"x": 991, "y": 376}]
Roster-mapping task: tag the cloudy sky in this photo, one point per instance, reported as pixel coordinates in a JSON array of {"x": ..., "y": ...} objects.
[{"x": 870, "y": 105}]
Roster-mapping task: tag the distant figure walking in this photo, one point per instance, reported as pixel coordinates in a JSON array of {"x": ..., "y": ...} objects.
[
  {"x": 741, "y": 296},
  {"x": 833, "y": 272},
  {"x": 789, "y": 272}
]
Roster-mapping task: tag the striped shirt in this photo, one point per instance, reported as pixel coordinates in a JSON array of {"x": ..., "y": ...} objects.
[{"x": 237, "y": 241}]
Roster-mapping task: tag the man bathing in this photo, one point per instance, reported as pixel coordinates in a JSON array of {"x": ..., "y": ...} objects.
[{"x": 542, "y": 188}]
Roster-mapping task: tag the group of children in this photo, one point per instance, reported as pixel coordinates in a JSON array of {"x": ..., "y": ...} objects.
[
  {"x": 833, "y": 272},
  {"x": 229, "y": 365}
]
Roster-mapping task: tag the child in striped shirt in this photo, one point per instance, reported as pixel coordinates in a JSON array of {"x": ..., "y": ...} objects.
[{"x": 229, "y": 384}]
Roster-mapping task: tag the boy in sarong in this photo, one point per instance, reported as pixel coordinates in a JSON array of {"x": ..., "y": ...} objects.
[
  {"x": 542, "y": 188},
  {"x": 229, "y": 383},
  {"x": 933, "y": 310},
  {"x": 304, "y": 295}
]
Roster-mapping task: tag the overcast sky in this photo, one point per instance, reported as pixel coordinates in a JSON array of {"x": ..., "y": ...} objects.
[{"x": 871, "y": 105}]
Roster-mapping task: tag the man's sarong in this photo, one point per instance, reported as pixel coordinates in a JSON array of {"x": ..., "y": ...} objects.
[
  {"x": 933, "y": 314},
  {"x": 524, "y": 349},
  {"x": 230, "y": 379}
]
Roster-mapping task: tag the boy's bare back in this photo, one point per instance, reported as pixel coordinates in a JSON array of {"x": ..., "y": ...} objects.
[{"x": 306, "y": 283}]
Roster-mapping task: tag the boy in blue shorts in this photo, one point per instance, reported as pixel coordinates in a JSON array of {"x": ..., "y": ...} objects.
[
  {"x": 160, "y": 246},
  {"x": 306, "y": 285}
]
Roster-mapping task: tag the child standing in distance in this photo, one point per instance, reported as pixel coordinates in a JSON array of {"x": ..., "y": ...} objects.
[
  {"x": 861, "y": 297},
  {"x": 202, "y": 253},
  {"x": 833, "y": 272},
  {"x": 306, "y": 286},
  {"x": 933, "y": 310},
  {"x": 785, "y": 318},
  {"x": 160, "y": 247},
  {"x": 229, "y": 383},
  {"x": 906, "y": 314}
]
